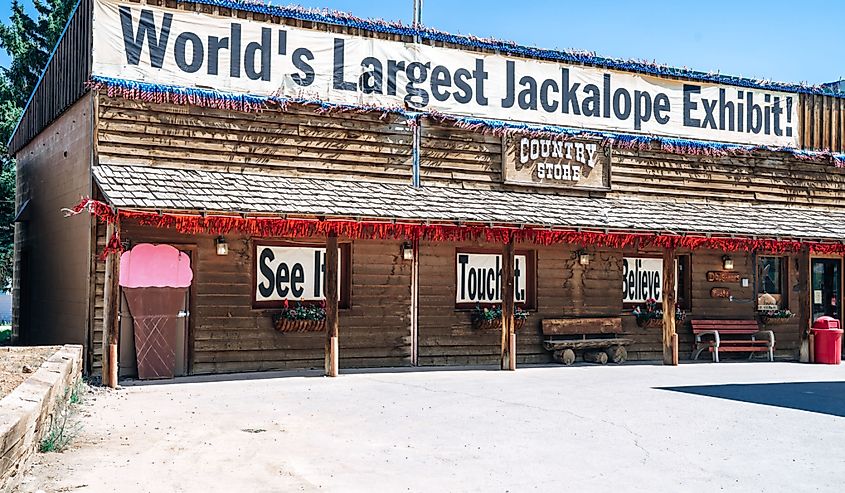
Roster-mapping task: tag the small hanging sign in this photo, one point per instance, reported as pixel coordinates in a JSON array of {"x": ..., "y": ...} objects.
[
  {"x": 720, "y": 293},
  {"x": 723, "y": 276}
]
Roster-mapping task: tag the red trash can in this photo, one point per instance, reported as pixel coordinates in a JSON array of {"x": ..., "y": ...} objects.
[{"x": 827, "y": 341}]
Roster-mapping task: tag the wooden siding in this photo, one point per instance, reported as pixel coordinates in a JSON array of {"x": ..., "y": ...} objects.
[
  {"x": 95, "y": 359},
  {"x": 766, "y": 177},
  {"x": 62, "y": 82},
  {"x": 230, "y": 336},
  {"x": 298, "y": 142},
  {"x": 822, "y": 122},
  {"x": 471, "y": 159},
  {"x": 567, "y": 289},
  {"x": 456, "y": 157}
]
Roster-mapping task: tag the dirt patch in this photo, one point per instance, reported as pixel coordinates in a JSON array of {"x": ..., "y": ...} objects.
[{"x": 14, "y": 360}]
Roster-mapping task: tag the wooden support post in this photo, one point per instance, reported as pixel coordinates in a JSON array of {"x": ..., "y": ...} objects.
[
  {"x": 111, "y": 309},
  {"x": 669, "y": 307},
  {"x": 331, "y": 305},
  {"x": 675, "y": 349},
  {"x": 804, "y": 308},
  {"x": 415, "y": 304},
  {"x": 508, "y": 337},
  {"x": 114, "y": 333}
]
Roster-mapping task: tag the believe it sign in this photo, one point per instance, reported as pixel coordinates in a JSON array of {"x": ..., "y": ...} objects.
[
  {"x": 642, "y": 279},
  {"x": 160, "y": 45}
]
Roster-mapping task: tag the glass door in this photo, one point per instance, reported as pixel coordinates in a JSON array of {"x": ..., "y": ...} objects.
[{"x": 826, "y": 287}]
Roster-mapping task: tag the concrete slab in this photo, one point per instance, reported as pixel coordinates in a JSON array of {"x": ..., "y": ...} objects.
[{"x": 698, "y": 427}]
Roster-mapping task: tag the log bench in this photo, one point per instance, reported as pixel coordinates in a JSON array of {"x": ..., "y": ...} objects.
[
  {"x": 597, "y": 337},
  {"x": 731, "y": 336}
]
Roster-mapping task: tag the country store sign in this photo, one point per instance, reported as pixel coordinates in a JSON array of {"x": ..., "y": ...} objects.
[{"x": 158, "y": 45}]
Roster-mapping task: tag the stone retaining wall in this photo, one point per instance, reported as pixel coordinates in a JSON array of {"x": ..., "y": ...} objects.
[{"x": 25, "y": 413}]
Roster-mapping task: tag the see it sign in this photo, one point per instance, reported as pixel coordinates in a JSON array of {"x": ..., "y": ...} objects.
[{"x": 295, "y": 273}]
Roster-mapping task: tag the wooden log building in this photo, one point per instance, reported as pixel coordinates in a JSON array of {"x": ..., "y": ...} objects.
[{"x": 408, "y": 211}]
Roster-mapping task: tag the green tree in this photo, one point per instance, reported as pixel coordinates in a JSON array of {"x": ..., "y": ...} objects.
[{"x": 28, "y": 42}]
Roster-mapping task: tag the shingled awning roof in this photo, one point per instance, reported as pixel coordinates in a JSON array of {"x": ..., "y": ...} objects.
[{"x": 155, "y": 188}]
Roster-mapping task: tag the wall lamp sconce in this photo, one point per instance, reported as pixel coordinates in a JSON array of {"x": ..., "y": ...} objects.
[
  {"x": 583, "y": 257},
  {"x": 727, "y": 262},
  {"x": 221, "y": 246},
  {"x": 407, "y": 251}
]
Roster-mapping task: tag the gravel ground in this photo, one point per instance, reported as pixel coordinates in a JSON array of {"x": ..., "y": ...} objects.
[
  {"x": 13, "y": 360},
  {"x": 738, "y": 426}
]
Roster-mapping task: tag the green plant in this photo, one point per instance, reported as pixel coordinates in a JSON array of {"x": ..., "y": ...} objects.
[
  {"x": 5, "y": 335},
  {"x": 780, "y": 313},
  {"x": 61, "y": 432},
  {"x": 77, "y": 391},
  {"x": 480, "y": 313},
  {"x": 301, "y": 311},
  {"x": 652, "y": 311}
]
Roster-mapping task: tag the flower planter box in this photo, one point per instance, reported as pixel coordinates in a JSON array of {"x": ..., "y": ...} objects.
[
  {"x": 652, "y": 323},
  {"x": 775, "y": 320},
  {"x": 496, "y": 324},
  {"x": 286, "y": 325}
]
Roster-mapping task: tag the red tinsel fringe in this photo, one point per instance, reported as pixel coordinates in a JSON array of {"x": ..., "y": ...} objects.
[{"x": 301, "y": 228}]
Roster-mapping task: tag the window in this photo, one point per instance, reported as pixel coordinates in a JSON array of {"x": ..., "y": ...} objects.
[
  {"x": 771, "y": 282},
  {"x": 294, "y": 272},
  {"x": 478, "y": 278},
  {"x": 642, "y": 279}
]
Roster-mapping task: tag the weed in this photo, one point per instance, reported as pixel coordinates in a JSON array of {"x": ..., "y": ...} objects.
[
  {"x": 77, "y": 391},
  {"x": 61, "y": 431}
]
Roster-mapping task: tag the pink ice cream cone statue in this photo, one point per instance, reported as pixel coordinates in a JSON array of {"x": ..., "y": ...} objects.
[{"x": 155, "y": 280}]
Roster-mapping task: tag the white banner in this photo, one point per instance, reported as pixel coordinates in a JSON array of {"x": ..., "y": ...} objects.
[
  {"x": 479, "y": 278},
  {"x": 642, "y": 278},
  {"x": 290, "y": 273},
  {"x": 166, "y": 46}
]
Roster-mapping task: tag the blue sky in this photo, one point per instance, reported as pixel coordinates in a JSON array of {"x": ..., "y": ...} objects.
[{"x": 785, "y": 41}]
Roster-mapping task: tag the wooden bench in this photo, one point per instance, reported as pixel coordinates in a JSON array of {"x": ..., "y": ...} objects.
[
  {"x": 598, "y": 337},
  {"x": 731, "y": 336}
]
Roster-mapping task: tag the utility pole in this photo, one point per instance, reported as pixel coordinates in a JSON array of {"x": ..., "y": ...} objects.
[{"x": 417, "y": 16}]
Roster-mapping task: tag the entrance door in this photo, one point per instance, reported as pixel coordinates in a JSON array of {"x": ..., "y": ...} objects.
[
  {"x": 126, "y": 348},
  {"x": 826, "y": 287}
]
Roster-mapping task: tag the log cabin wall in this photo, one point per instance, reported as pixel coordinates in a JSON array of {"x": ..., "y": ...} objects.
[
  {"x": 299, "y": 142},
  {"x": 564, "y": 289},
  {"x": 567, "y": 289},
  {"x": 230, "y": 336},
  {"x": 822, "y": 122},
  {"x": 355, "y": 146},
  {"x": 472, "y": 159}
]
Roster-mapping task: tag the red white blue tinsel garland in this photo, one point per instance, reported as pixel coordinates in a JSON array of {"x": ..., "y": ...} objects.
[{"x": 161, "y": 93}]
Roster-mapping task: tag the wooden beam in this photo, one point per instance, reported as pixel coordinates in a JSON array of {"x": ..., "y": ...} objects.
[
  {"x": 508, "y": 335},
  {"x": 804, "y": 308},
  {"x": 114, "y": 329},
  {"x": 415, "y": 304},
  {"x": 110, "y": 309},
  {"x": 669, "y": 306},
  {"x": 331, "y": 305}
]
